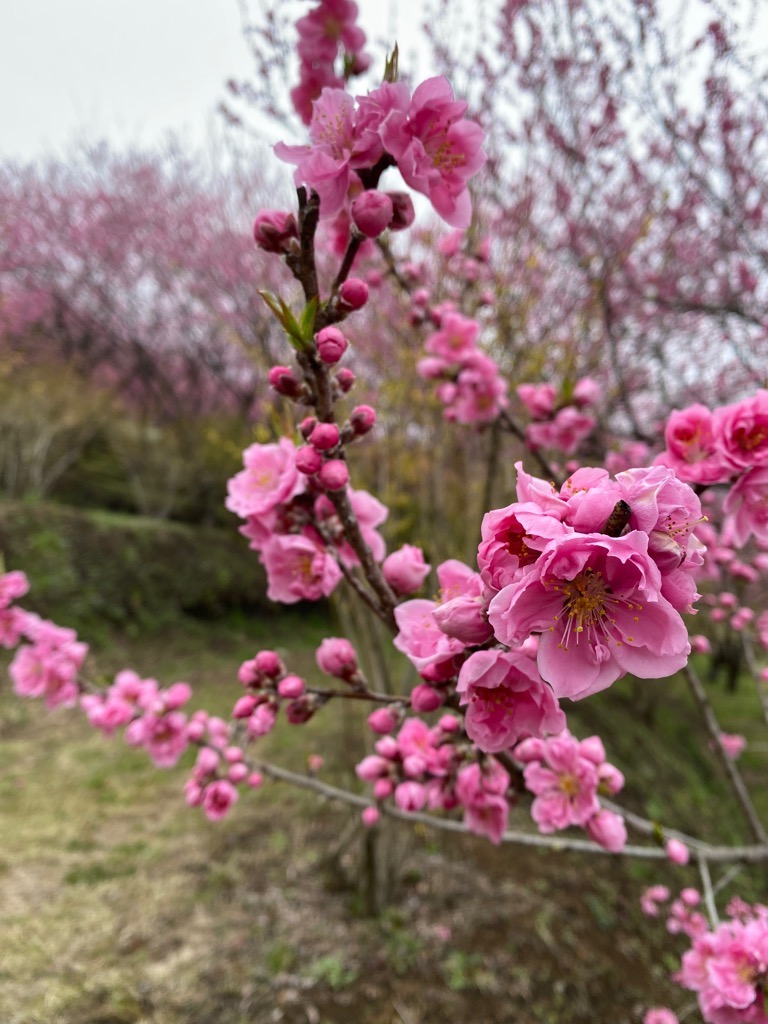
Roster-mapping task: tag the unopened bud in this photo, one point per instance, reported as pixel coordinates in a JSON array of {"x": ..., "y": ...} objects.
[
  {"x": 331, "y": 344},
  {"x": 345, "y": 378},
  {"x": 372, "y": 212},
  {"x": 273, "y": 229},
  {"x": 285, "y": 382},
  {"x": 353, "y": 294},
  {"x": 334, "y": 475},
  {"x": 324, "y": 437},
  {"x": 308, "y": 460},
  {"x": 362, "y": 419},
  {"x": 403, "y": 213}
]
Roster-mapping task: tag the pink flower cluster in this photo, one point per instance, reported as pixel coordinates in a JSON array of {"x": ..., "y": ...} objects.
[
  {"x": 727, "y": 444},
  {"x": 152, "y": 715},
  {"x": 727, "y": 967},
  {"x": 321, "y": 32},
  {"x": 472, "y": 388},
  {"x": 600, "y": 570},
  {"x": 566, "y": 775},
  {"x": 559, "y": 424},
  {"x": 48, "y": 664},
  {"x": 436, "y": 768},
  {"x": 290, "y": 520},
  {"x": 435, "y": 149}
]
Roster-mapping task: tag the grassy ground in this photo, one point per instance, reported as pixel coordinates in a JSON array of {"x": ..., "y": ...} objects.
[{"x": 121, "y": 906}]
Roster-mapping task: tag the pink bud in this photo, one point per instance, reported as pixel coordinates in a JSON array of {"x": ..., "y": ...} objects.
[
  {"x": 324, "y": 437},
  {"x": 426, "y": 698},
  {"x": 410, "y": 796},
  {"x": 608, "y": 829},
  {"x": 244, "y": 707},
  {"x": 700, "y": 644},
  {"x": 337, "y": 657},
  {"x": 362, "y": 419},
  {"x": 449, "y": 723},
  {"x": 372, "y": 212},
  {"x": 255, "y": 780},
  {"x": 207, "y": 761},
  {"x": 383, "y": 788},
  {"x": 177, "y": 695},
  {"x": 308, "y": 460},
  {"x": 285, "y": 382},
  {"x": 388, "y": 747},
  {"x": 382, "y": 720},
  {"x": 677, "y": 852},
  {"x": 405, "y": 569},
  {"x": 237, "y": 772},
  {"x": 291, "y": 687},
  {"x": 301, "y": 710},
  {"x": 233, "y": 754},
  {"x": 370, "y": 816},
  {"x": 315, "y": 762},
  {"x": 269, "y": 664},
  {"x": 334, "y": 475},
  {"x": 331, "y": 344},
  {"x": 306, "y": 426},
  {"x": 403, "y": 213},
  {"x": 195, "y": 731},
  {"x": 353, "y": 294},
  {"x": 345, "y": 379},
  {"x": 273, "y": 229}
]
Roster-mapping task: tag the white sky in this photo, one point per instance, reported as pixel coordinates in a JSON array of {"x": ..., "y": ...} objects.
[{"x": 129, "y": 71}]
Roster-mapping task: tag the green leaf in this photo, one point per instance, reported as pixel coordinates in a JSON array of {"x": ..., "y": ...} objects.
[{"x": 288, "y": 321}]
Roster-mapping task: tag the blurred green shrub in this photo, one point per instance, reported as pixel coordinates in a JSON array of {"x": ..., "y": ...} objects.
[{"x": 90, "y": 569}]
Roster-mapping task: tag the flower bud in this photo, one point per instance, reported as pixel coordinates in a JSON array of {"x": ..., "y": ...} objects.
[
  {"x": 345, "y": 379},
  {"x": 370, "y": 816},
  {"x": 331, "y": 344},
  {"x": 291, "y": 687},
  {"x": 426, "y": 698},
  {"x": 334, "y": 475},
  {"x": 244, "y": 707},
  {"x": 337, "y": 657},
  {"x": 353, "y": 294},
  {"x": 269, "y": 664},
  {"x": 306, "y": 426},
  {"x": 382, "y": 720},
  {"x": 677, "y": 852},
  {"x": 324, "y": 437},
  {"x": 237, "y": 772},
  {"x": 273, "y": 229},
  {"x": 403, "y": 213},
  {"x": 308, "y": 460},
  {"x": 301, "y": 710},
  {"x": 285, "y": 382},
  {"x": 362, "y": 419},
  {"x": 372, "y": 212},
  {"x": 405, "y": 570}
]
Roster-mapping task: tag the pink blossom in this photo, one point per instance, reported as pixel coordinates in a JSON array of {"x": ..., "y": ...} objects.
[
  {"x": 298, "y": 569},
  {"x": 565, "y": 432},
  {"x": 481, "y": 792},
  {"x": 586, "y": 392},
  {"x": 461, "y": 607},
  {"x": 733, "y": 744},
  {"x": 164, "y": 736},
  {"x": 692, "y": 448},
  {"x": 421, "y": 639},
  {"x": 652, "y": 896},
  {"x": 436, "y": 151},
  {"x": 597, "y": 604},
  {"x": 565, "y": 785},
  {"x": 455, "y": 339},
  {"x": 742, "y": 430},
  {"x": 539, "y": 399},
  {"x": 218, "y": 798},
  {"x": 746, "y": 505},
  {"x": 270, "y": 478},
  {"x": 506, "y": 699}
]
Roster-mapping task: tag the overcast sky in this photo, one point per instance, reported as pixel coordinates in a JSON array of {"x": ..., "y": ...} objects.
[{"x": 126, "y": 70}]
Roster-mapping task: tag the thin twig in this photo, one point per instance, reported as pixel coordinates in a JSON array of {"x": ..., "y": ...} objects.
[
  {"x": 732, "y": 772},
  {"x": 709, "y": 895},
  {"x": 714, "y": 854}
]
